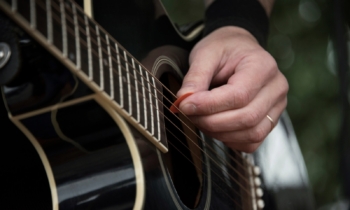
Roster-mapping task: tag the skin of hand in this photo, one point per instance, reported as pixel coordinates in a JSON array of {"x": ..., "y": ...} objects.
[{"x": 235, "y": 84}]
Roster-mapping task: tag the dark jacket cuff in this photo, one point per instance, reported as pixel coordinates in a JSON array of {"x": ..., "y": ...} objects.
[{"x": 247, "y": 14}]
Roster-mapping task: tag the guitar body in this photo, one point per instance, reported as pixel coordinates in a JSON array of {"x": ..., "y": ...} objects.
[{"x": 70, "y": 149}]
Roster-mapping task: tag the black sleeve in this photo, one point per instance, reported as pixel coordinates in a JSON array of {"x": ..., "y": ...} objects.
[{"x": 247, "y": 14}]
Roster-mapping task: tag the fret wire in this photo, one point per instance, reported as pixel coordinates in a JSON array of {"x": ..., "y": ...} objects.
[
  {"x": 120, "y": 76},
  {"x": 125, "y": 57},
  {"x": 49, "y": 22},
  {"x": 77, "y": 38},
  {"x": 156, "y": 98},
  {"x": 70, "y": 32},
  {"x": 14, "y": 5},
  {"x": 128, "y": 79},
  {"x": 110, "y": 68},
  {"x": 89, "y": 47},
  {"x": 87, "y": 34},
  {"x": 100, "y": 57},
  {"x": 150, "y": 97},
  {"x": 137, "y": 91},
  {"x": 103, "y": 32},
  {"x": 144, "y": 94},
  {"x": 95, "y": 57},
  {"x": 32, "y": 14},
  {"x": 101, "y": 39},
  {"x": 64, "y": 29},
  {"x": 56, "y": 26}
]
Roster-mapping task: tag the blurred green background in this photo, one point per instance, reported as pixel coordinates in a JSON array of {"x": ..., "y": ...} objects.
[{"x": 300, "y": 42}]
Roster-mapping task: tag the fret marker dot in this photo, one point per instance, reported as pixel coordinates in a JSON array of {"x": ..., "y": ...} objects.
[
  {"x": 259, "y": 192},
  {"x": 124, "y": 79},
  {"x": 72, "y": 56},
  {"x": 105, "y": 62},
  {"x": 257, "y": 170},
  {"x": 261, "y": 204}
]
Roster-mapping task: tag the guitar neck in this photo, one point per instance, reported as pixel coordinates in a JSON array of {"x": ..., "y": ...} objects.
[{"x": 63, "y": 28}]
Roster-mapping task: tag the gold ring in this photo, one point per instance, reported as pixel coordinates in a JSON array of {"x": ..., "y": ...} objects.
[{"x": 272, "y": 122}]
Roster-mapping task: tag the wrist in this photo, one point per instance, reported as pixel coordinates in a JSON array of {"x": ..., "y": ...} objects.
[
  {"x": 247, "y": 14},
  {"x": 234, "y": 31}
]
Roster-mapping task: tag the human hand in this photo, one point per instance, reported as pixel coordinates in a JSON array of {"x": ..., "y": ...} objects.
[{"x": 246, "y": 86}]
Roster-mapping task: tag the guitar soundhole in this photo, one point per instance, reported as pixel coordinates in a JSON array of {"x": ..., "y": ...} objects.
[{"x": 184, "y": 159}]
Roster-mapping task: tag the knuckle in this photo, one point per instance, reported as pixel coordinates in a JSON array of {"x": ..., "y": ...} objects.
[
  {"x": 257, "y": 135},
  {"x": 251, "y": 119},
  {"x": 283, "y": 88},
  {"x": 269, "y": 60},
  {"x": 192, "y": 77},
  {"x": 195, "y": 120},
  {"x": 221, "y": 137},
  {"x": 241, "y": 98},
  {"x": 268, "y": 63},
  {"x": 228, "y": 104},
  {"x": 284, "y": 103},
  {"x": 208, "y": 125},
  {"x": 209, "y": 107}
]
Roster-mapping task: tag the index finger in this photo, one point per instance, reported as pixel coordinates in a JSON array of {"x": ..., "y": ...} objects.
[{"x": 241, "y": 88}]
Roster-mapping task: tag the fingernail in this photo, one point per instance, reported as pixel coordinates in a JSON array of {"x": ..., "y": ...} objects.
[{"x": 188, "y": 109}]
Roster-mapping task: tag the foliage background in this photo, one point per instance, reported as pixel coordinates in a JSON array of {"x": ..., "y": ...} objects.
[{"x": 301, "y": 44}]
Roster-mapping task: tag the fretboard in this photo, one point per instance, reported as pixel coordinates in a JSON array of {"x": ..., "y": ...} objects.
[{"x": 62, "y": 27}]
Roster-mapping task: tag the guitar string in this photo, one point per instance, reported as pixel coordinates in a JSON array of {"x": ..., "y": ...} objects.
[
  {"x": 134, "y": 88},
  {"x": 201, "y": 170},
  {"x": 192, "y": 141},
  {"x": 199, "y": 158},
  {"x": 95, "y": 53}
]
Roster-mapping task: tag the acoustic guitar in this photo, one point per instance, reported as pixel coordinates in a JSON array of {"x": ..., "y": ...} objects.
[{"x": 88, "y": 126}]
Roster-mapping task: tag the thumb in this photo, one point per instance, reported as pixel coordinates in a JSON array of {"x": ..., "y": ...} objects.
[
  {"x": 197, "y": 79},
  {"x": 200, "y": 74}
]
